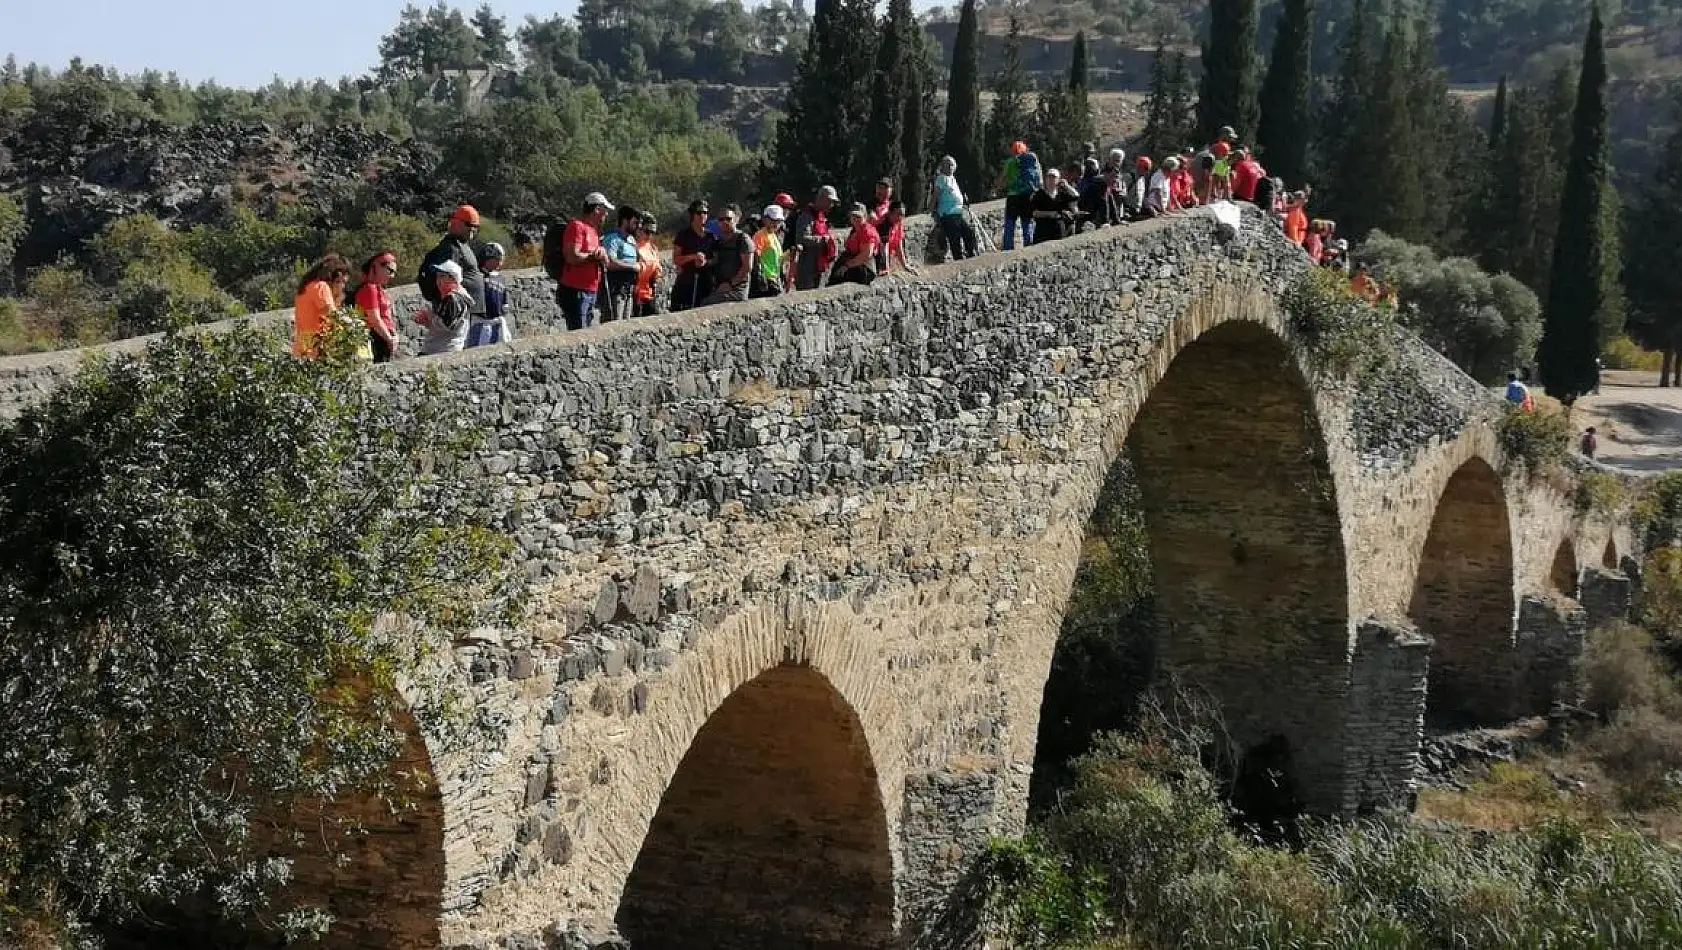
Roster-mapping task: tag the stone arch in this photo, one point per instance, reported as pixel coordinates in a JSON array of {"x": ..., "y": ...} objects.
[
  {"x": 772, "y": 833},
  {"x": 1562, "y": 576},
  {"x": 1463, "y": 598},
  {"x": 1246, "y": 545},
  {"x": 1609, "y": 557}
]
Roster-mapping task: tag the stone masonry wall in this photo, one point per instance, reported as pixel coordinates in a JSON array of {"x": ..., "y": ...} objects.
[{"x": 888, "y": 487}]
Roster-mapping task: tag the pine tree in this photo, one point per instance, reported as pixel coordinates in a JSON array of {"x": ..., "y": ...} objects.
[
  {"x": 828, "y": 101},
  {"x": 1008, "y": 118},
  {"x": 495, "y": 47},
  {"x": 1227, "y": 93},
  {"x": 1286, "y": 123},
  {"x": 1577, "y": 293},
  {"x": 1398, "y": 205},
  {"x": 884, "y": 155},
  {"x": 1181, "y": 103},
  {"x": 963, "y": 102},
  {"x": 1077, "y": 63}
]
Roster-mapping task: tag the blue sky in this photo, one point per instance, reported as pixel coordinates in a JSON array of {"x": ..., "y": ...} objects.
[{"x": 238, "y": 43}]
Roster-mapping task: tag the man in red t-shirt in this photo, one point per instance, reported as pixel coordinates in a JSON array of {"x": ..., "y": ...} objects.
[
  {"x": 1247, "y": 173},
  {"x": 581, "y": 275}
]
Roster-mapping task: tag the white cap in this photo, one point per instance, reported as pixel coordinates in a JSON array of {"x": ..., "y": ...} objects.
[
  {"x": 597, "y": 199},
  {"x": 773, "y": 213},
  {"x": 828, "y": 191},
  {"x": 449, "y": 269}
]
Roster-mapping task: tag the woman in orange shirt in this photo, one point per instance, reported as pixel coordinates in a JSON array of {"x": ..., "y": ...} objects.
[
  {"x": 320, "y": 293},
  {"x": 645, "y": 304},
  {"x": 1296, "y": 218}
]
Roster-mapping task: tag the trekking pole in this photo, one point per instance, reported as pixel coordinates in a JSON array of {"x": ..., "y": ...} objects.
[{"x": 985, "y": 239}]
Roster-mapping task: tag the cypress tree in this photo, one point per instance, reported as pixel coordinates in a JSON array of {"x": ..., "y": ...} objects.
[
  {"x": 963, "y": 102},
  {"x": 1397, "y": 204},
  {"x": 915, "y": 134},
  {"x": 1077, "y": 62},
  {"x": 1498, "y": 116},
  {"x": 884, "y": 153},
  {"x": 1160, "y": 132},
  {"x": 828, "y": 101},
  {"x": 1343, "y": 191},
  {"x": 1285, "y": 120},
  {"x": 1009, "y": 116},
  {"x": 1577, "y": 291},
  {"x": 1181, "y": 105},
  {"x": 1227, "y": 93}
]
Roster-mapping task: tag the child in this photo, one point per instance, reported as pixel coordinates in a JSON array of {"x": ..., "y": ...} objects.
[
  {"x": 1591, "y": 442},
  {"x": 447, "y": 320},
  {"x": 492, "y": 328}
]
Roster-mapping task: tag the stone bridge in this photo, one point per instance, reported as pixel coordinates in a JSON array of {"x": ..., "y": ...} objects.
[{"x": 801, "y": 567}]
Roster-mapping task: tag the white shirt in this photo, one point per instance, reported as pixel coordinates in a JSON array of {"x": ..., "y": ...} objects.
[{"x": 1158, "y": 194}]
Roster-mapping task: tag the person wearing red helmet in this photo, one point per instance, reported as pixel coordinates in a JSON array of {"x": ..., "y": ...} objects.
[{"x": 1220, "y": 179}]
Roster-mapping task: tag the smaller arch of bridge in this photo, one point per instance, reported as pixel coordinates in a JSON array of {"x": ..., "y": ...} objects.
[
  {"x": 1563, "y": 573},
  {"x": 765, "y": 817},
  {"x": 1464, "y": 598}
]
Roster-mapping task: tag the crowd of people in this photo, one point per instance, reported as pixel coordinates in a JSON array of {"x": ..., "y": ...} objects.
[{"x": 724, "y": 255}]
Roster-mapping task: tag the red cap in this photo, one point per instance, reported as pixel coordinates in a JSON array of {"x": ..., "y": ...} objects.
[
  {"x": 1220, "y": 150},
  {"x": 783, "y": 199},
  {"x": 1144, "y": 163},
  {"x": 466, "y": 213}
]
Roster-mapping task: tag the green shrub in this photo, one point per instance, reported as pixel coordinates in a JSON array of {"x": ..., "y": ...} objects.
[
  {"x": 176, "y": 294},
  {"x": 1622, "y": 672},
  {"x": 1345, "y": 335},
  {"x": 1598, "y": 493},
  {"x": 1624, "y": 353},
  {"x": 1658, "y": 512},
  {"x": 1534, "y": 440}
]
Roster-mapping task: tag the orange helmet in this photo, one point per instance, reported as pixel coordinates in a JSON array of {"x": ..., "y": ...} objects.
[{"x": 1221, "y": 150}]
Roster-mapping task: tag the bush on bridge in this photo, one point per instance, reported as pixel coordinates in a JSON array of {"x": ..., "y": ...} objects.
[
  {"x": 1346, "y": 336},
  {"x": 1538, "y": 441},
  {"x": 194, "y": 548}
]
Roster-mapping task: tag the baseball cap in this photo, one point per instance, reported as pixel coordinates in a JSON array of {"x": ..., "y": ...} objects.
[
  {"x": 492, "y": 249},
  {"x": 449, "y": 269},
  {"x": 773, "y": 212},
  {"x": 828, "y": 191},
  {"x": 857, "y": 211},
  {"x": 596, "y": 199},
  {"x": 783, "y": 200},
  {"x": 1227, "y": 132},
  {"x": 467, "y": 214}
]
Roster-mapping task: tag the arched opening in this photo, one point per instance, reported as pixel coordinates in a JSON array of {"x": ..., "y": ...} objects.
[
  {"x": 1463, "y": 600},
  {"x": 772, "y": 833},
  {"x": 1237, "y": 518},
  {"x": 1563, "y": 575},
  {"x": 1609, "y": 558}
]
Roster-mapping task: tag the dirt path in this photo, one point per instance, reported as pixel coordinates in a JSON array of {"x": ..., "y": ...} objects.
[{"x": 1639, "y": 424}]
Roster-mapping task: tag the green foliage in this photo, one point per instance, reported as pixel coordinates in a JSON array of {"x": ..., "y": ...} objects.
[
  {"x": 893, "y": 87},
  {"x": 195, "y": 545},
  {"x": 1653, "y": 265},
  {"x": 963, "y": 104},
  {"x": 1487, "y": 325},
  {"x": 1600, "y": 493},
  {"x": 1286, "y": 125},
  {"x": 1227, "y": 94},
  {"x": 1536, "y": 441},
  {"x": 829, "y": 101},
  {"x": 1345, "y": 335},
  {"x": 1577, "y": 287},
  {"x": 1062, "y": 124},
  {"x": 1008, "y": 118},
  {"x": 1658, "y": 511},
  {"x": 1036, "y": 898},
  {"x": 12, "y": 228}
]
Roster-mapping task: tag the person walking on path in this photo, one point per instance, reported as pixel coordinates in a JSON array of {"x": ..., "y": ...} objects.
[
  {"x": 1590, "y": 443},
  {"x": 949, "y": 205},
  {"x": 1020, "y": 179},
  {"x": 375, "y": 304},
  {"x": 692, "y": 251},
  {"x": 581, "y": 276},
  {"x": 491, "y": 327},
  {"x": 811, "y": 244},
  {"x": 1519, "y": 394},
  {"x": 446, "y": 321},
  {"x": 456, "y": 246},
  {"x": 321, "y": 291}
]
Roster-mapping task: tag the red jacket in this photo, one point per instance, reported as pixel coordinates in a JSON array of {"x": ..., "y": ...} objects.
[{"x": 1245, "y": 177}]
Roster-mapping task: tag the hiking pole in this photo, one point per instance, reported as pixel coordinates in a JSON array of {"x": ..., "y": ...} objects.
[{"x": 984, "y": 239}]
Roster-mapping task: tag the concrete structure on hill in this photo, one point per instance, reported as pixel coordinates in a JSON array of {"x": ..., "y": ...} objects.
[{"x": 801, "y": 567}]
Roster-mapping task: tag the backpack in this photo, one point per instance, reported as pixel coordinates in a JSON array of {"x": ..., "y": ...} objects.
[
  {"x": 1028, "y": 178},
  {"x": 554, "y": 262}
]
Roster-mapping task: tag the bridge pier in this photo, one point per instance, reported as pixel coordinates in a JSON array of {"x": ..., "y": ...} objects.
[{"x": 1388, "y": 673}]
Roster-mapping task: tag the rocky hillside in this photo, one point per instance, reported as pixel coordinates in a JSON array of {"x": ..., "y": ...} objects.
[{"x": 187, "y": 174}]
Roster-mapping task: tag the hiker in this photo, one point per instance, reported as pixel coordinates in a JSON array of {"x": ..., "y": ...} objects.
[
  {"x": 893, "y": 242},
  {"x": 375, "y": 304},
  {"x": 491, "y": 327},
  {"x": 1093, "y": 188},
  {"x": 858, "y": 258},
  {"x": 692, "y": 251},
  {"x": 811, "y": 244},
  {"x": 456, "y": 246},
  {"x": 320, "y": 293},
  {"x": 1519, "y": 394},
  {"x": 584, "y": 259},
  {"x": 1220, "y": 177},
  {"x": 1021, "y": 178},
  {"x": 623, "y": 266},
  {"x": 1181, "y": 185},
  {"x": 949, "y": 206},
  {"x": 1159, "y": 189},
  {"x": 1590, "y": 443},
  {"x": 1247, "y": 176},
  {"x": 732, "y": 260},
  {"x": 1296, "y": 218},
  {"x": 1143, "y": 169},
  {"x": 1313, "y": 243},
  {"x": 1203, "y": 168},
  {"x": 1363, "y": 285},
  {"x": 1054, "y": 207},
  {"x": 447, "y": 320},
  {"x": 1115, "y": 186},
  {"x": 646, "y": 303},
  {"x": 769, "y": 276},
  {"x": 879, "y": 208}
]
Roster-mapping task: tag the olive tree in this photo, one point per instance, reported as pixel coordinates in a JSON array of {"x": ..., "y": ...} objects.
[{"x": 195, "y": 545}]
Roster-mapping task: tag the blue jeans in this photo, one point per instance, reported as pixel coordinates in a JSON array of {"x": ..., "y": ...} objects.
[
  {"x": 578, "y": 306},
  {"x": 1018, "y": 208}
]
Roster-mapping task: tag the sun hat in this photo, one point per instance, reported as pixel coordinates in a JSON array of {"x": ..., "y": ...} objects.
[{"x": 773, "y": 212}]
